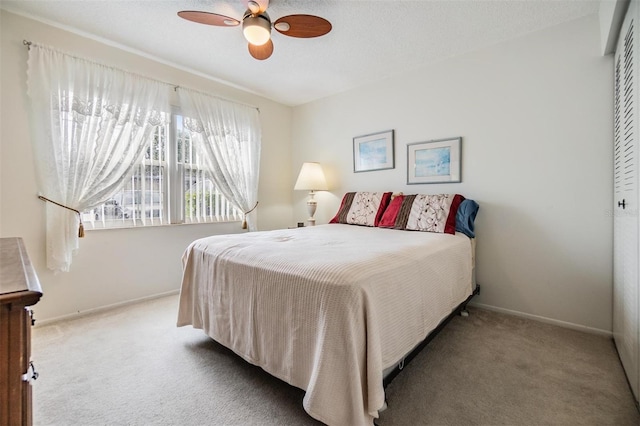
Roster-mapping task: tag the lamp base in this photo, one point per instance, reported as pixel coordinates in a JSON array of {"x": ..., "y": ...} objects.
[{"x": 312, "y": 205}]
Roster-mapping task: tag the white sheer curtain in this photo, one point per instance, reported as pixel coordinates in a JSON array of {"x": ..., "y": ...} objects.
[
  {"x": 228, "y": 136},
  {"x": 89, "y": 125}
]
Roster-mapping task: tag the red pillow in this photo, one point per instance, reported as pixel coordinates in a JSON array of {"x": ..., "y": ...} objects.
[{"x": 391, "y": 213}]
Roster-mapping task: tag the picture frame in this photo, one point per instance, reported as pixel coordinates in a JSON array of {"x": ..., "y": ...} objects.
[
  {"x": 374, "y": 152},
  {"x": 434, "y": 161}
]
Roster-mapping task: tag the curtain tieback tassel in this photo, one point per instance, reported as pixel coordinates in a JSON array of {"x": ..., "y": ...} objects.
[
  {"x": 244, "y": 221},
  {"x": 81, "y": 227}
]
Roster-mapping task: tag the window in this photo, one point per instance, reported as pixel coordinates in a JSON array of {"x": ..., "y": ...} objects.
[
  {"x": 202, "y": 201},
  {"x": 170, "y": 185}
]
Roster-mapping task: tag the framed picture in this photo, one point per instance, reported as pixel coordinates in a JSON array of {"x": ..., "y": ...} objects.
[
  {"x": 373, "y": 152},
  {"x": 436, "y": 161}
]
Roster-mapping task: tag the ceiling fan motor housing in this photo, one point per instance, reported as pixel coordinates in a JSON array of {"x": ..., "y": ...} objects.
[{"x": 256, "y": 28}]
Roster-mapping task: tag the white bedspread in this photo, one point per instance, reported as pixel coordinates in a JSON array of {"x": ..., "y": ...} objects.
[{"x": 325, "y": 308}]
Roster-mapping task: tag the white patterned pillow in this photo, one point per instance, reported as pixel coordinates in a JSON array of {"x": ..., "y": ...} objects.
[
  {"x": 433, "y": 213},
  {"x": 362, "y": 208}
]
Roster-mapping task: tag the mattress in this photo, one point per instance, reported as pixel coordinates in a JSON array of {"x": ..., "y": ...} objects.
[{"x": 325, "y": 308}]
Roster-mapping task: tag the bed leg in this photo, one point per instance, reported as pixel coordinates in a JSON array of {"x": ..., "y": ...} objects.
[{"x": 463, "y": 311}]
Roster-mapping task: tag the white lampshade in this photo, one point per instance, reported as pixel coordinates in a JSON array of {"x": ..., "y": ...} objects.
[
  {"x": 256, "y": 29},
  {"x": 311, "y": 178}
]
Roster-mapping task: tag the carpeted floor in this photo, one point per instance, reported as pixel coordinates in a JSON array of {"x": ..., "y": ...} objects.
[{"x": 133, "y": 366}]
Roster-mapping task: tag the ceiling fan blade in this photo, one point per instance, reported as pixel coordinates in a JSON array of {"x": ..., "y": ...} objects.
[
  {"x": 261, "y": 52},
  {"x": 302, "y": 26},
  {"x": 208, "y": 18},
  {"x": 257, "y": 6}
]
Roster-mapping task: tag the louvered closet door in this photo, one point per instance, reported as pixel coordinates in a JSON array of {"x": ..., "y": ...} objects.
[{"x": 626, "y": 300}]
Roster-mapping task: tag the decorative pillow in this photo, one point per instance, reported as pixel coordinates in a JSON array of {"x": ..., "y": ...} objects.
[
  {"x": 466, "y": 216},
  {"x": 391, "y": 213},
  {"x": 362, "y": 208},
  {"x": 429, "y": 213}
]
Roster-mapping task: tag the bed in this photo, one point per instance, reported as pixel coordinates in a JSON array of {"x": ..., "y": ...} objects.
[{"x": 329, "y": 309}]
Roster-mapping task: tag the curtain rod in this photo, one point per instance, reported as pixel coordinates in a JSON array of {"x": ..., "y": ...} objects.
[{"x": 175, "y": 86}]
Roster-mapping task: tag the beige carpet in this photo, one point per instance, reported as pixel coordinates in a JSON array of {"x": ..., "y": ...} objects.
[{"x": 132, "y": 366}]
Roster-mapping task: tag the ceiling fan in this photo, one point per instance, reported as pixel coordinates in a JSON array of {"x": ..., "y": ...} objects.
[{"x": 256, "y": 26}]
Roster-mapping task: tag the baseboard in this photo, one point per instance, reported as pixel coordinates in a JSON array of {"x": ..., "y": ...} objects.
[
  {"x": 539, "y": 318},
  {"x": 91, "y": 311},
  {"x": 605, "y": 333}
]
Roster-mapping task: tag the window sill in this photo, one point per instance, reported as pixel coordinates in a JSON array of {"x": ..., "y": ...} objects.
[{"x": 164, "y": 225}]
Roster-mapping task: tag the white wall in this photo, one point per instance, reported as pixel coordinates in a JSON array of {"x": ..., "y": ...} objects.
[
  {"x": 113, "y": 266},
  {"x": 535, "y": 115}
]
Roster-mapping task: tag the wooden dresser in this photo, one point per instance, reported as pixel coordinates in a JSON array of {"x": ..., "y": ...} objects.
[{"x": 19, "y": 289}]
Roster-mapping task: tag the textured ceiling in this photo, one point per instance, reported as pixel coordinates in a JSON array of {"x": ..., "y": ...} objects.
[{"x": 370, "y": 40}]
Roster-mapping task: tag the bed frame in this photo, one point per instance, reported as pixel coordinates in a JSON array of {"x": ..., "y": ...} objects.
[{"x": 460, "y": 310}]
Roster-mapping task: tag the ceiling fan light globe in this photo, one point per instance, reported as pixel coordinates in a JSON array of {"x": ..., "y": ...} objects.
[{"x": 256, "y": 29}]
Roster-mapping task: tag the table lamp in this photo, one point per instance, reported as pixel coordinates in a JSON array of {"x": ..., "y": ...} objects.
[{"x": 311, "y": 178}]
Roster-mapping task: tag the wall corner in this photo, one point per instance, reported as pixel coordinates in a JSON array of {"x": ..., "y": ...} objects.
[{"x": 611, "y": 14}]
